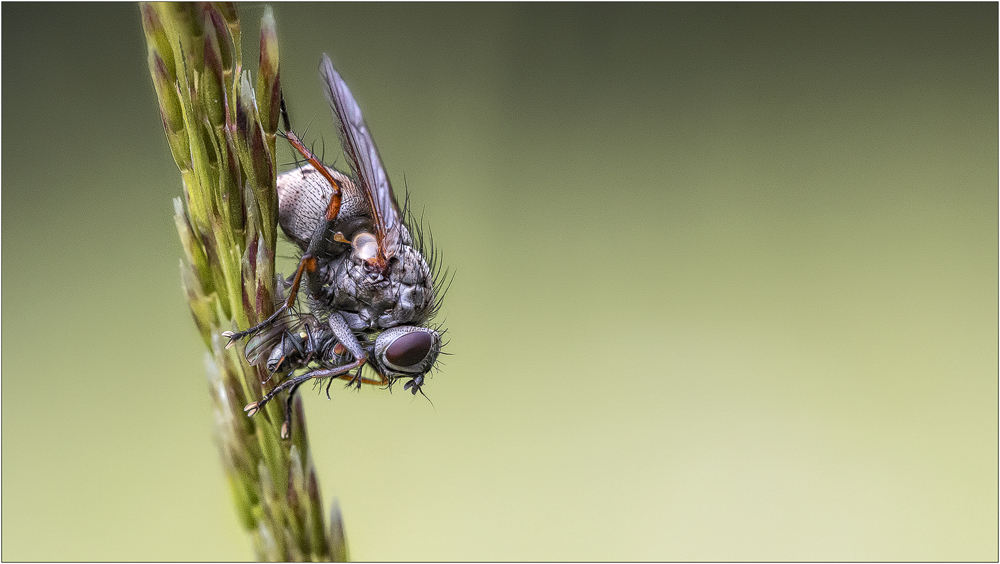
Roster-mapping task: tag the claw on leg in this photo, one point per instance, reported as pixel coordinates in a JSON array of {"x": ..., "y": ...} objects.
[
  {"x": 232, "y": 338},
  {"x": 355, "y": 381},
  {"x": 252, "y": 408}
]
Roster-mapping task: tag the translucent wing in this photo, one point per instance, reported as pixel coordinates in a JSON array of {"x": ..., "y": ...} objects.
[
  {"x": 364, "y": 159},
  {"x": 291, "y": 322},
  {"x": 260, "y": 346}
]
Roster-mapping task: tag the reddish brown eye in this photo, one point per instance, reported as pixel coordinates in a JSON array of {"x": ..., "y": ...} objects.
[{"x": 410, "y": 349}]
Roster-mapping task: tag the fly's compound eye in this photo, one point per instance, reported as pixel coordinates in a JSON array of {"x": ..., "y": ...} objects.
[{"x": 409, "y": 350}]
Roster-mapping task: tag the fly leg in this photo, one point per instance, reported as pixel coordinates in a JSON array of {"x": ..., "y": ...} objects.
[
  {"x": 286, "y": 427},
  {"x": 311, "y": 345},
  {"x": 357, "y": 379},
  {"x": 251, "y": 409},
  {"x": 291, "y": 341},
  {"x": 306, "y": 264},
  {"x": 333, "y": 208},
  {"x": 344, "y": 334},
  {"x": 350, "y": 342}
]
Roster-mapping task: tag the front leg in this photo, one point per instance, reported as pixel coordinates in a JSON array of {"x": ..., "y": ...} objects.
[
  {"x": 292, "y": 385},
  {"x": 349, "y": 340},
  {"x": 350, "y": 344},
  {"x": 345, "y": 336}
]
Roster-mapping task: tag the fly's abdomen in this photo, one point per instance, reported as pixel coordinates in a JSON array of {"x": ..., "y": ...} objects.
[{"x": 303, "y": 196}]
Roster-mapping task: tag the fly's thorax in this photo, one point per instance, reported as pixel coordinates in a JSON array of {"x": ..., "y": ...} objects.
[
  {"x": 413, "y": 285},
  {"x": 303, "y": 196},
  {"x": 403, "y": 295}
]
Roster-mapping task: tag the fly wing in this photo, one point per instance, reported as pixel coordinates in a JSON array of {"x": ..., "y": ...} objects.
[
  {"x": 364, "y": 159},
  {"x": 260, "y": 346}
]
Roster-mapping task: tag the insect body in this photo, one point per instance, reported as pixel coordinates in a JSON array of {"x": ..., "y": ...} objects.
[{"x": 369, "y": 288}]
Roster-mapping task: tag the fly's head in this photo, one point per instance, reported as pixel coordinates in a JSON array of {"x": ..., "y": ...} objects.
[{"x": 407, "y": 352}]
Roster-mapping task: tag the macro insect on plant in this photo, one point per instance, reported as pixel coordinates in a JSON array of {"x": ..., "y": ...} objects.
[{"x": 369, "y": 282}]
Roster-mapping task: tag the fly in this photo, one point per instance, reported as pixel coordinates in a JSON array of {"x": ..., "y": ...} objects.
[{"x": 369, "y": 287}]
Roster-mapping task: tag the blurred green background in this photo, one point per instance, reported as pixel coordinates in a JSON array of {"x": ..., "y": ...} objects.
[{"x": 726, "y": 285}]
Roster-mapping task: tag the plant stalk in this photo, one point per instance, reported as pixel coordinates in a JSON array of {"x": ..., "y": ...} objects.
[{"x": 221, "y": 132}]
